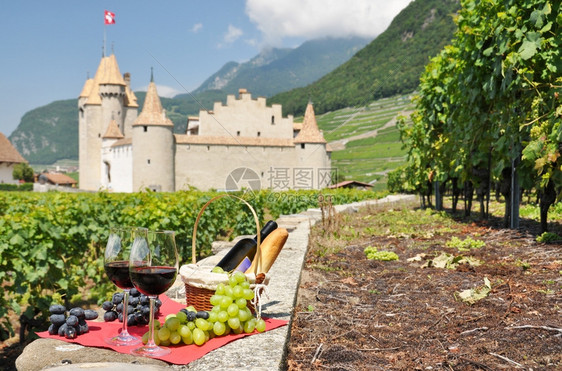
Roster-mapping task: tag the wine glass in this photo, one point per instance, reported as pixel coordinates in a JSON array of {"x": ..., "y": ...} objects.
[
  {"x": 153, "y": 266},
  {"x": 116, "y": 265}
]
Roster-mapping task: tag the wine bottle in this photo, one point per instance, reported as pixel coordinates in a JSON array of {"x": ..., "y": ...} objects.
[{"x": 246, "y": 247}]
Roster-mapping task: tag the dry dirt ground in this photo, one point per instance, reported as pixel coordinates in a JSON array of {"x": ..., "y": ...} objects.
[{"x": 358, "y": 314}]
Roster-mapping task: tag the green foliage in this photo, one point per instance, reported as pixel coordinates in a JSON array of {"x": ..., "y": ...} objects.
[
  {"x": 464, "y": 245},
  {"x": 51, "y": 244},
  {"x": 16, "y": 187},
  {"x": 373, "y": 254},
  {"x": 23, "y": 171},
  {"x": 492, "y": 96},
  {"x": 403, "y": 180},
  {"x": 547, "y": 237}
]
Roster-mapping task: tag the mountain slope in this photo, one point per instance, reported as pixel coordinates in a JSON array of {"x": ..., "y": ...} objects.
[
  {"x": 391, "y": 64},
  {"x": 276, "y": 70},
  {"x": 48, "y": 133}
]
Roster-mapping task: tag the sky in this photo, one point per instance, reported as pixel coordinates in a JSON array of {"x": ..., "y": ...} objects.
[{"x": 49, "y": 48}]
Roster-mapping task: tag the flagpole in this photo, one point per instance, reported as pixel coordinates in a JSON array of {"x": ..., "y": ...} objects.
[{"x": 104, "y": 37}]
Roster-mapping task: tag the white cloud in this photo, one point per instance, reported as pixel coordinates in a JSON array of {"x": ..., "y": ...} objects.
[
  {"x": 232, "y": 34},
  {"x": 309, "y": 19},
  {"x": 197, "y": 27},
  {"x": 163, "y": 91}
]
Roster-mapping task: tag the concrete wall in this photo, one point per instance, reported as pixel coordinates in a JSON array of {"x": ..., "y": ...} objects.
[
  {"x": 205, "y": 167},
  {"x": 246, "y": 117},
  {"x": 6, "y": 173},
  {"x": 118, "y": 162},
  {"x": 38, "y": 187}
]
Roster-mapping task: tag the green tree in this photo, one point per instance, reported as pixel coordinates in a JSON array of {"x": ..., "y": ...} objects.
[
  {"x": 23, "y": 171},
  {"x": 492, "y": 99}
]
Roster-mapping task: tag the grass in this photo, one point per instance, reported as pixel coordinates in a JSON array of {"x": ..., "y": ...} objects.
[{"x": 367, "y": 159}]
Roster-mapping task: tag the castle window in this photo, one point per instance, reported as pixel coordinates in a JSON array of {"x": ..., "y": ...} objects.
[
  {"x": 302, "y": 145},
  {"x": 145, "y": 128},
  {"x": 238, "y": 133},
  {"x": 259, "y": 133},
  {"x": 148, "y": 161},
  {"x": 272, "y": 120},
  {"x": 208, "y": 148},
  {"x": 99, "y": 135}
]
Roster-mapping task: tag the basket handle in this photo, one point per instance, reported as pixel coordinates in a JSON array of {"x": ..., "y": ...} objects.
[{"x": 193, "y": 240}]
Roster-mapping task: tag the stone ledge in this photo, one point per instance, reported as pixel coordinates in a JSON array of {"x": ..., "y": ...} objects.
[{"x": 47, "y": 353}]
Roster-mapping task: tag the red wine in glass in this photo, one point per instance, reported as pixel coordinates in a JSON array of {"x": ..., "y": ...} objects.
[
  {"x": 118, "y": 273},
  {"x": 153, "y": 281},
  {"x": 153, "y": 267},
  {"x": 116, "y": 266}
]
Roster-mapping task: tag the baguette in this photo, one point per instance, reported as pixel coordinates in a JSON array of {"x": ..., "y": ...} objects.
[{"x": 270, "y": 248}]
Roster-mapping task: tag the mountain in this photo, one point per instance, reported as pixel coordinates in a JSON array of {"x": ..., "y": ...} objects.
[
  {"x": 50, "y": 133},
  {"x": 391, "y": 64},
  {"x": 276, "y": 70}
]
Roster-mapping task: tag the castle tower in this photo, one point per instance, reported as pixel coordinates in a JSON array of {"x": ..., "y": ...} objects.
[
  {"x": 104, "y": 98},
  {"x": 153, "y": 146},
  {"x": 313, "y": 161}
]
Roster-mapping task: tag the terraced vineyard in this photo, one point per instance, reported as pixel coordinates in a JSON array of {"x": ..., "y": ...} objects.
[{"x": 365, "y": 140}]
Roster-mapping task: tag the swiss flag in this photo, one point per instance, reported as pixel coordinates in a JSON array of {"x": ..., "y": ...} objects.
[{"x": 109, "y": 17}]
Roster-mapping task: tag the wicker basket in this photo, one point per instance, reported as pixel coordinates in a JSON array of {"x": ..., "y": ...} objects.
[{"x": 200, "y": 282}]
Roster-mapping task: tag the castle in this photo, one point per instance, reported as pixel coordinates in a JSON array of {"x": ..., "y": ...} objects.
[{"x": 243, "y": 144}]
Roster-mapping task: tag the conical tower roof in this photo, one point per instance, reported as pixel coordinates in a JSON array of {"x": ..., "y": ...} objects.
[
  {"x": 152, "y": 112},
  {"x": 107, "y": 74},
  {"x": 309, "y": 132},
  {"x": 87, "y": 89},
  {"x": 8, "y": 153},
  {"x": 113, "y": 131}
]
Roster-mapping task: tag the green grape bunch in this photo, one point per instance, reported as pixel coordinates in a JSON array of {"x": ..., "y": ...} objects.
[{"x": 230, "y": 314}]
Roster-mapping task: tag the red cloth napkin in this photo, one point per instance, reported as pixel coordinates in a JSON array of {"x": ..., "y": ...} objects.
[{"x": 180, "y": 355}]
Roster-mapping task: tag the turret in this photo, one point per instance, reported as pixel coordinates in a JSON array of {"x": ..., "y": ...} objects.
[
  {"x": 104, "y": 98},
  {"x": 311, "y": 153},
  {"x": 153, "y": 146}
]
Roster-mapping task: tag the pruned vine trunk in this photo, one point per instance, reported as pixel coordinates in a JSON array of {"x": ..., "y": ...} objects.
[
  {"x": 547, "y": 198},
  {"x": 456, "y": 193}
]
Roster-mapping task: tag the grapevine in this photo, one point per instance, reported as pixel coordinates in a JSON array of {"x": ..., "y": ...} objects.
[{"x": 491, "y": 101}]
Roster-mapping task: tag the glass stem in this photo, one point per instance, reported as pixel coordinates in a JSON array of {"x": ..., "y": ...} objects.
[
  {"x": 124, "y": 331},
  {"x": 151, "y": 343}
]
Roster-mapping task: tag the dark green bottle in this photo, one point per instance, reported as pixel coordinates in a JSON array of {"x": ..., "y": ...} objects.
[{"x": 246, "y": 247}]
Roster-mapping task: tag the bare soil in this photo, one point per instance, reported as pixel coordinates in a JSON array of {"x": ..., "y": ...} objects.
[{"x": 358, "y": 314}]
